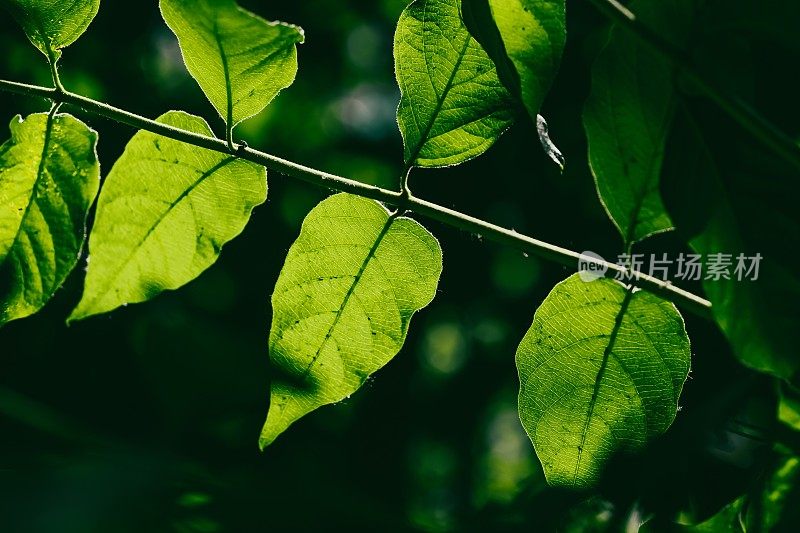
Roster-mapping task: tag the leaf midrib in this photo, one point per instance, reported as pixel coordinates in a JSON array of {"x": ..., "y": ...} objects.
[
  {"x": 350, "y": 291},
  {"x": 370, "y": 255},
  {"x": 650, "y": 178},
  {"x": 439, "y": 104},
  {"x": 598, "y": 379}
]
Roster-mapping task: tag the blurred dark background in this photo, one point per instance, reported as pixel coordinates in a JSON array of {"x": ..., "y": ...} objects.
[{"x": 147, "y": 419}]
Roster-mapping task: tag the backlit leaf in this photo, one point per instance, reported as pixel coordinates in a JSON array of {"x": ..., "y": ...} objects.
[
  {"x": 601, "y": 370},
  {"x": 453, "y": 106},
  {"x": 49, "y": 176},
  {"x": 533, "y": 34},
  {"x": 164, "y": 213},
  {"x": 53, "y": 24},
  {"x": 343, "y": 302},
  {"x": 240, "y": 60}
]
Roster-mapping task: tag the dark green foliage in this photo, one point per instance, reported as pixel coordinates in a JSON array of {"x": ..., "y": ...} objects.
[{"x": 146, "y": 419}]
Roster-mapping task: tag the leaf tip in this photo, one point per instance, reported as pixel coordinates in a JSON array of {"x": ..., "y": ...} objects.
[
  {"x": 76, "y": 316},
  {"x": 300, "y": 33},
  {"x": 263, "y": 443},
  {"x": 270, "y": 431}
]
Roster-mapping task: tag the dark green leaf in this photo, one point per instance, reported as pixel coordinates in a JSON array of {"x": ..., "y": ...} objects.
[
  {"x": 240, "y": 60},
  {"x": 761, "y": 510},
  {"x": 729, "y": 519},
  {"x": 757, "y": 316},
  {"x": 343, "y": 302},
  {"x": 778, "y": 499},
  {"x": 601, "y": 370},
  {"x": 627, "y": 120},
  {"x": 49, "y": 176},
  {"x": 53, "y": 24},
  {"x": 772, "y": 20},
  {"x": 453, "y": 106},
  {"x": 789, "y": 408},
  {"x": 164, "y": 213}
]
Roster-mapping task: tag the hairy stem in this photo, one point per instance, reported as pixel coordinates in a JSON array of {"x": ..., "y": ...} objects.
[
  {"x": 403, "y": 200},
  {"x": 760, "y": 128}
]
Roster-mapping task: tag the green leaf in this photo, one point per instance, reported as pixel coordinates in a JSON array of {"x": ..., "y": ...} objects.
[
  {"x": 53, "y": 24},
  {"x": 49, "y": 176},
  {"x": 601, "y": 370},
  {"x": 533, "y": 34},
  {"x": 343, "y": 302},
  {"x": 240, "y": 60},
  {"x": 627, "y": 120},
  {"x": 477, "y": 17},
  {"x": 778, "y": 499},
  {"x": 453, "y": 107},
  {"x": 729, "y": 519},
  {"x": 789, "y": 410},
  {"x": 164, "y": 213},
  {"x": 759, "y": 317}
]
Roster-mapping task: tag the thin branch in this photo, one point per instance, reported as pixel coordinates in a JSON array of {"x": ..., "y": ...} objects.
[
  {"x": 759, "y": 127},
  {"x": 402, "y": 200}
]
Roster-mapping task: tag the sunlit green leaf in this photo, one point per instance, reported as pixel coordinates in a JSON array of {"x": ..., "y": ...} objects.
[
  {"x": 758, "y": 316},
  {"x": 453, "y": 106},
  {"x": 53, "y": 24},
  {"x": 49, "y": 176},
  {"x": 601, "y": 370},
  {"x": 533, "y": 34},
  {"x": 240, "y": 60},
  {"x": 343, "y": 302},
  {"x": 477, "y": 17},
  {"x": 164, "y": 213}
]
